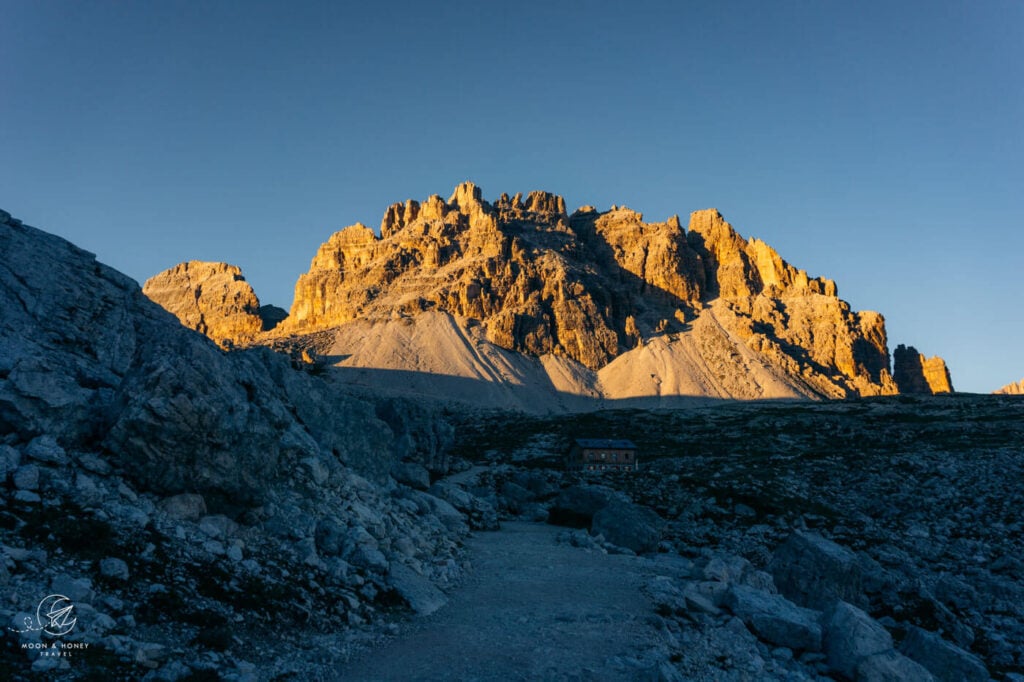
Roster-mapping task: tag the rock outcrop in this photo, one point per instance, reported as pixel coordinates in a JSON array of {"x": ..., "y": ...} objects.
[
  {"x": 212, "y": 298},
  {"x": 1012, "y": 389},
  {"x": 914, "y": 373}
]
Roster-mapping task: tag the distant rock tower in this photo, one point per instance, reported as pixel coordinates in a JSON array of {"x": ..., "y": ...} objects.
[{"x": 919, "y": 375}]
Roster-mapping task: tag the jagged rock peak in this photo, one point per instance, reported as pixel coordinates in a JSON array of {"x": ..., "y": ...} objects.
[
  {"x": 466, "y": 196},
  {"x": 743, "y": 268},
  {"x": 398, "y": 216},
  {"x": 1016, "y": 388},
  {"x": 916, "y": 374},
  {"x": 212, "y": 298}
]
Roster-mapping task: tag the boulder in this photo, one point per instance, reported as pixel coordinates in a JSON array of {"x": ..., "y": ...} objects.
[
  {"x": 114, "y": 569},
  {"x": 890, "y": 666},
  {"x": 26, "y": 477},
  {"x": 851, "y": 636},
  {"x": 10, "y": 459},
  {"x": 417, "y": 591},
  {"x": 576, "y": 506},
  {"x": 481, "y": 514},
  {"x": 186, "y": 506},
  {"x": 450, "y": 517},
  {"x": 628, "y": 525},
  {"x": 775, "y": 619},
  {"x": 411, "y": 474},
  {"x": 815, "y": 572},
  {"x": 45, "y": 449},
  {"x": 946, "y": 661}
]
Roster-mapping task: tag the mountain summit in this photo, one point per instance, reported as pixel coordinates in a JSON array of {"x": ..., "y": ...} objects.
[{"x": 594, "y": 304}]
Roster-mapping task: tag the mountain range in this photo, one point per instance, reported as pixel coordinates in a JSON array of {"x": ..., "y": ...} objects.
[{"x": 517, "y": 303}]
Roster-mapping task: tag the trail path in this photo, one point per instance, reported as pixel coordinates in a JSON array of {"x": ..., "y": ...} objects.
[{"x": 534, "y": 610}]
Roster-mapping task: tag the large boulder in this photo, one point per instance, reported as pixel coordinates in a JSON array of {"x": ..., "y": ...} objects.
[
  {"x": 852, "y": 636},
  {"x": 948, "y": 662},
  {"x": 775, "y": 619},
  {"x": 815, "y": 572},
  {"x": 628, "y": 525},
  {"x": 419, "y": 593},
  {"x": 480, "y": 512},
  {"x": 576, "y": 505},
  {"x": 890, "y": 666}
]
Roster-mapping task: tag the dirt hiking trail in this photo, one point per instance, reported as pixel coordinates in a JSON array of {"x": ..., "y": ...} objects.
[{"x": 533, "y": 610}]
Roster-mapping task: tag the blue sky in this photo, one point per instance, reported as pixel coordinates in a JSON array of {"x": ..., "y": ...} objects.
[{"x": 879, "y": 144}]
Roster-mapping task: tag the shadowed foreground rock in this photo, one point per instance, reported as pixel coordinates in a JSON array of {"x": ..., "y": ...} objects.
[{"x": 169, "y": 488}]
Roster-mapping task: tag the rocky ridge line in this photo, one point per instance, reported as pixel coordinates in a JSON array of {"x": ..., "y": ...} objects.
[{"x": 591, "y": 287}]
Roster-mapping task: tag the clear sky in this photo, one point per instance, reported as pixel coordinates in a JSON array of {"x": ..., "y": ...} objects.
[{"x": 880, "y": 144}]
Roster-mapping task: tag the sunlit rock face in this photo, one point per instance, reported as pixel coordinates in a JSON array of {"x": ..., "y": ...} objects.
[
  {"x": 1016, "y": 388},
  {"x": 587, "y": 288},
  {"x": 915, "y": 373},
  {"x": 212, "y": 298}
]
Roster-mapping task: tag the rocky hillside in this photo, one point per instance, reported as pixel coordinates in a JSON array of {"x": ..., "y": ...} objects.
[
  {"x": 185, "y": 498},
  {"x": 694, "y": 310}
]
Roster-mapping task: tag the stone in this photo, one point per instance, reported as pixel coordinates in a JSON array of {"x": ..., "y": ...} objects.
[
  {"x": 150, "y": 654},
  {"x": 628, "y": 525},
  {"x": 411, "y": 474},
  {"x": 815, "y": 572},
  {"x": 447, "y": 515},
  {"x": 946, "y": 661},
  {"x": 185, "y": 507},
  {"x": 26, "y": 477},
  {"x": 890, "y": 666},
  {"x": 480, "y": 513},
  {"x": 217, "y": 526},
  {"x": 419, "y": 593},
  {"x": 10, "y": 458},
  {"x": 852, "y": 636},
  {"x": 916, "y": 374},
  {"x": 75, "y": 589},
  {"x": 576, "y": 505},
  {"x": 775, "y": 619},
  {"x": 94, "y": 463},
  {"x": 45, "y": 449},
  {"x": 114, "y": 568},
  {"x": 87, "y": 492}
]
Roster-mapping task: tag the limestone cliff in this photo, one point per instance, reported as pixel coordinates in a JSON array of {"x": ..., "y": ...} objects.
[
  {"x": 212, "y": 298},
  {"x": 914, "y": 373}
]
